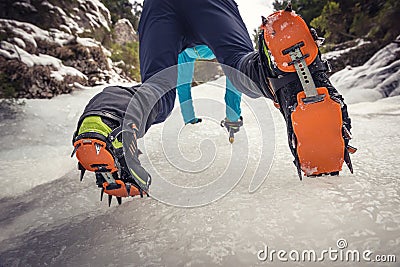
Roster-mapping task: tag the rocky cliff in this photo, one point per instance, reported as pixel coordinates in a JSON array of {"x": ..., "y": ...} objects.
[{"x": 49, "y": 47}]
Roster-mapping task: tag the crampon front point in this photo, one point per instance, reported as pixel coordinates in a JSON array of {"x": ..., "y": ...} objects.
[
  {"x": 97, "y": 154},
  {"x": 112, "y": 186}
]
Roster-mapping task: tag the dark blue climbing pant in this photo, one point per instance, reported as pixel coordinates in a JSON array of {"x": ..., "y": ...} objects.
[{"x": 166, "y": 28}]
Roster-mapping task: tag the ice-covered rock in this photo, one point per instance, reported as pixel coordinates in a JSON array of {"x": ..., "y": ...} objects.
[{"x": 378, "y": 78}]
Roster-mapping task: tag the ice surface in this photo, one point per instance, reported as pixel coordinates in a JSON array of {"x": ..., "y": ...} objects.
[
  {"x": 49, "y": 218},
  {"x": 35, "y": 146}
]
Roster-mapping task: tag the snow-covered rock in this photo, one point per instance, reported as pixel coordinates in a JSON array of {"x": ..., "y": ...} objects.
[
  {"x": 46, "y": 47},
  {"x": 124, "y": 32}
]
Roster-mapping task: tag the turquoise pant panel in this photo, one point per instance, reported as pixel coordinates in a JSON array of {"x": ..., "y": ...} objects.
[{"x": 186, "y": 61}]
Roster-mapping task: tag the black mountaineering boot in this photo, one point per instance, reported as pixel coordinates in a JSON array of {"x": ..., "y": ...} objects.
[
  {"x": 98, "y": 147},
  {"x": 316, "y": 116}
]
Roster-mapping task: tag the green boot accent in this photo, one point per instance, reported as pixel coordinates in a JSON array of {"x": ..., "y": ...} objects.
[{"x": 95, "y": 124}]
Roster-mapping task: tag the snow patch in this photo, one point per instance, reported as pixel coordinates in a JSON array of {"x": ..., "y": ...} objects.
[
  {"x": 95, "y": 10},
  {"x": 310, "y": 171},
  {"x": 19, "y": 42},
  {"x": 47, "y": 4},
  {"x": 88, "y": 42},
  {"x": 29, "y": 32},
  {"x": 284, "y": 25},
  {"x": 126, "y": 21},
  {"x": 66, "y": 29},
  {"x": 25, "y": 5},
  {"x": 270, "y": 22}
]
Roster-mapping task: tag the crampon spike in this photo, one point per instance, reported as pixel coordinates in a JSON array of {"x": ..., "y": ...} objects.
[
  {"x": 109, "y": 200},
  {"x": 348, "y": 160},
  {"x": 299, "y": 174},
  {"x": 98, "y": 148},
  {"x": 264, "y": 20},
  {"x": 297, "y": 164},
  {"x": 101, "y": 194},
  {"x": 75, "y": 149},
  {"x": 82, "y": 174},
  {"x": 128, "y": 189},
  {"x": 289, "y": 6},
  {"x": 119, "y": 200},
  {"x": 351, "y": 149}
]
